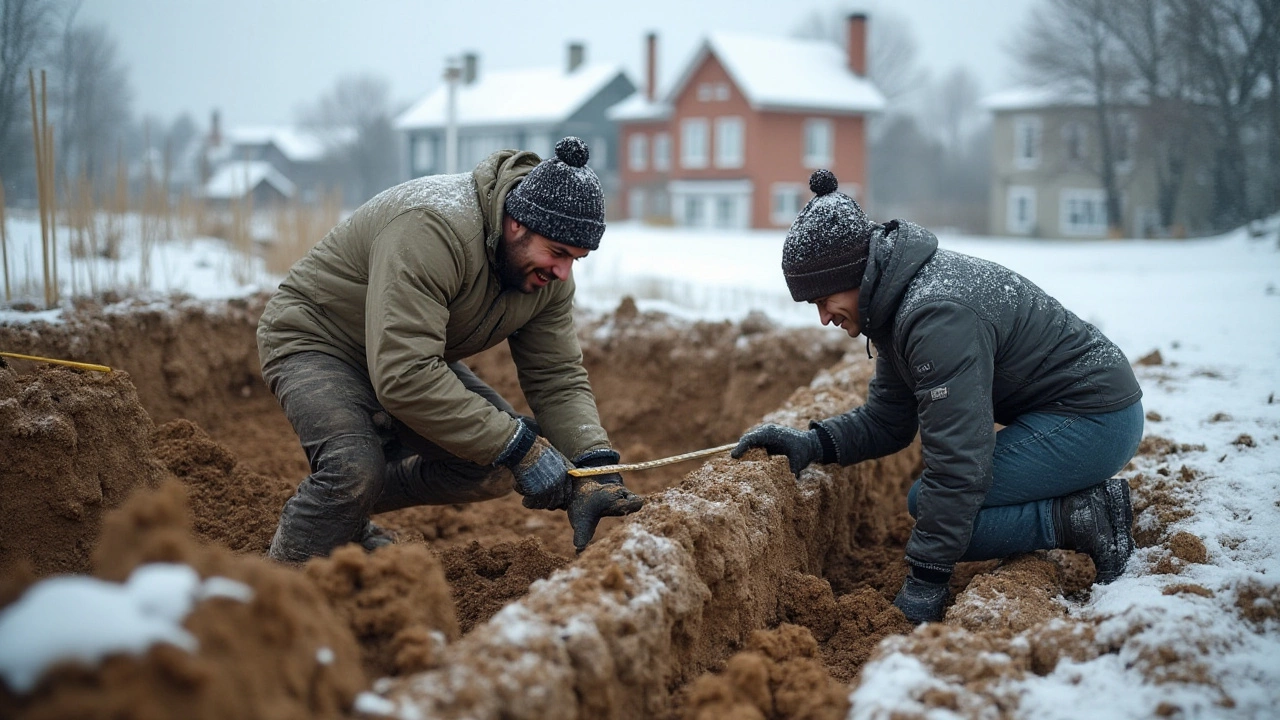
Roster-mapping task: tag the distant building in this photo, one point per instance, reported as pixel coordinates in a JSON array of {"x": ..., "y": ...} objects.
[
  {"x": 733, "y": 142},
  {"x": 1045, "y": 175},
  {"x": 299, "y": 158},
  {"x": 248, "y": 180},
  {"x": 525, "y": 109}
]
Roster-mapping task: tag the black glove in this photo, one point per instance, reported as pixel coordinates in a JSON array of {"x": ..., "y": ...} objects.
[
  {"x": 923, "y": 600},
  {"x": 542, "y": 473},
  {"x": 801, "y": 448},
  {"x": 598, "y": 496}
]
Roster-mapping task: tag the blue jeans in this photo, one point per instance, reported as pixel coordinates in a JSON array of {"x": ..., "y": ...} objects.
[{"x": 1043, "y": 456}]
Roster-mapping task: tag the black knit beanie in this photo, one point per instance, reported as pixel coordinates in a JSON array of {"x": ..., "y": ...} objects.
[
  {"x": 561, "y": 198},
  {"x": 827, "y": 246}
]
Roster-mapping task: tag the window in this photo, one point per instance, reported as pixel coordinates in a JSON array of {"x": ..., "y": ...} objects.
[
  {"x": 709, "y": 91},
  {"x": 693, "y": 210},
  {"x": 729, "y": 142},
  {"x": 705, "y": 92},
  {"x": 786, "y": 203},
  {"x": 474, "y": 148},
  {"x": 1083, "y": 212},
  {"x": 638, "y": 146},
  {"x": 599, "y": 159},
  {"x": 635, "y": 203},
  {"x": 693, "y": 143},
  {"x": 817, "y": 143},
  {"x": 726, "y": 211},
  {"x": 1021, "y": 218},
  {"x": 1126, "y": 134},
  {"x": 1026, "y": 142},
  {"x": 662, "y": 152},
  {"x": 424, "y": 155},
  {"x": 1073, "y": 141}
]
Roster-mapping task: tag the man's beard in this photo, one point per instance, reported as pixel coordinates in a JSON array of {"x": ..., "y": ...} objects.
[{"x": 512, "y": 257}]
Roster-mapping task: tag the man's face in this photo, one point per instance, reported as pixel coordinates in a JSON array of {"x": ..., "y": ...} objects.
[
  {"x": 528, "y": 261},
  {"x": 841, "y": 309}
]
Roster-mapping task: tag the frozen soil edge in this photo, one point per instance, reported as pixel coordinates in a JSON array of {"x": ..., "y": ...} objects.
[{"x": 676, "y": 591}]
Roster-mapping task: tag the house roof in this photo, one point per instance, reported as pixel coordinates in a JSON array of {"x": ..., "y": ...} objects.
[
  {"x": 236, "y": 179},
  {"x": 296, "y": 144},
  {"x": 1039, "y": 98},
  {"x": 777, "y": 73},
  {"x": 530, "y": 96},
  {"x": 638, "y": 108}
]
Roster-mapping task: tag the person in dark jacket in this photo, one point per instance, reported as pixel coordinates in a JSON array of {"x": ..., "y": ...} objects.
[{"x": 962, "y": 344}]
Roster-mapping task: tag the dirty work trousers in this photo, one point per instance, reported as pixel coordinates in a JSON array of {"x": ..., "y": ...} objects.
[
  {"x": 1043, "y": 456},
  {"x": 363, "y": 460}
]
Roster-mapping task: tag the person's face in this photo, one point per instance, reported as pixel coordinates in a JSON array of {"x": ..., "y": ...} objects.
[
  {"x": 528, "y": 261},
  {"x": 841, "y": 309}
]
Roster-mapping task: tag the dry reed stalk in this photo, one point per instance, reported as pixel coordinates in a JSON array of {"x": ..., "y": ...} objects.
[
  {"x": 4, "y": 244},
  {"x": 40, "y": 185},
  {"x": 52, "y": 178}
]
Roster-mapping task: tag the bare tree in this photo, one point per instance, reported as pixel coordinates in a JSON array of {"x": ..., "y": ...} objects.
[
  {"x": 25, "y": 26},
  {"x": 1230, "y": 47},
  {"x": 1068, "y": 46},
  {"x": 953, "y": 108},
  {"x": 93, "y": 101},
  {"x": 354, "y": 121}
]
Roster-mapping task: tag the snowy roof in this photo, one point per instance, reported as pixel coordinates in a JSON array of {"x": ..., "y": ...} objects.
[
  {"x": 236, "y": 179},
  {"x": 787, "y": 74},
  {"x": 637, "y": 107},
  {"x": 296, "y": 144},
  {"x": 1038, "y": 98},
  {"x": 527, "y": 96}
]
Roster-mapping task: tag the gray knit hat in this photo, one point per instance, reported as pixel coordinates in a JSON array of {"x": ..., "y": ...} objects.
[
  {"x": 561, "y": 198},
  {"x": 827, "y": 246}
]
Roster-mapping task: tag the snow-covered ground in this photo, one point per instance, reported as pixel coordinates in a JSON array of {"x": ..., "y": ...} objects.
[{"x": 1210, "y": 306}]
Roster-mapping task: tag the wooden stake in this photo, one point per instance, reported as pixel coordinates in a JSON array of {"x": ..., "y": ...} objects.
[
  {"x": 52, "y": 175},
  {"x": 40, "y": 191}
]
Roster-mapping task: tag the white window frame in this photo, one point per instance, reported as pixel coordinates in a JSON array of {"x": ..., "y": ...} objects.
[
  {"x": 706, "y": 92},
  {"x": 819, "y": 143},
  {"x": 1082, "y": 212},
  {"x": 638, "y": 151},
  {"x": 1075, "y": 131},
  {"x": 1028, "y": 132},
  {"x": 722, "y": 91},
  {"x": 1017, "y": 197},
  {"x": 636, "y": 203},
  {"x": 729, "y": 140},
  {"x": 785, "y": 202},
  {"x": 693, "y": 143},
  {"x": 1126, "y": 142},
  {"x": 662, "y": 151},
  {"x": 424, "y": 155}
]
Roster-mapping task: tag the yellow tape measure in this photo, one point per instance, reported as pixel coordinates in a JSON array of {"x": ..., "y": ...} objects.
[{"x": 68, "y": 363}]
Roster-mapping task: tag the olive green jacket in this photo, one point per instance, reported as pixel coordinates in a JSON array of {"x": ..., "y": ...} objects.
[{"x": 407, "y": 284}]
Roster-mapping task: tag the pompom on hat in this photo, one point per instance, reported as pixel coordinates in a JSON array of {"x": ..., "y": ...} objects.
[
  {"x": 561, "y": 198},
  {"x": 827, "y": 246}
]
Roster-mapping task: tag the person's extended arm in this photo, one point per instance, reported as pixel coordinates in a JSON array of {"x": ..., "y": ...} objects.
[{"x": 882, "y": 426}]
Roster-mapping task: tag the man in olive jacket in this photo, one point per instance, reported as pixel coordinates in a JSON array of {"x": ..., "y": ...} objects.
[
  {"x": 362, "y": 346},
  {"x": 962, "y": 344}
]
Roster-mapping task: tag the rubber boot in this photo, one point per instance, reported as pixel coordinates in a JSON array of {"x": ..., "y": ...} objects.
[
  {"x": 374, "y": 537},
  {"x": 1098, "y": 522}
]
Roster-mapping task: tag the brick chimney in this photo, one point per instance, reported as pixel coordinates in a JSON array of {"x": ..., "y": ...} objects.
[
  {"x": 577, "y": 55},
  {"x": 857, "y": 29},
  {"x": 651, "y": 66},
  {"x": 470, "y": 68}
]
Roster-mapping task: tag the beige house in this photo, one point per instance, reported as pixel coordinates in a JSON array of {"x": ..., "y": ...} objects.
[{"x": 1046, "y": 180}]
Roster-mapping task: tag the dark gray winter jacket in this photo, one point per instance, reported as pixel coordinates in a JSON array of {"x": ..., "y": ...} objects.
[{"x": 963, "y": 343}]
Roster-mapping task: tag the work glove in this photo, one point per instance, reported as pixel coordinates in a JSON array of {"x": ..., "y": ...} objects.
[
  {"x": 541, "y": 472},
  {"x": 923, "y": 600},
  {"x": 598, "y": 496},
  {"x": 801, "y": 448}
]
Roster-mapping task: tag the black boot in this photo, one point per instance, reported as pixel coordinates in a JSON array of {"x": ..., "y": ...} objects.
[
  {"x": 374, "y": 537},
  {"x": 1098, "y": 522}
]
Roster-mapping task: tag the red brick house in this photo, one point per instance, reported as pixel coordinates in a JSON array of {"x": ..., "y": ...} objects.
[{"x": 733, "y": 142}]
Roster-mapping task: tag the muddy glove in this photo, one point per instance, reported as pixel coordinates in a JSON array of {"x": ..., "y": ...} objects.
[
  {"x": 923, "y": 596},
  {"x": 542, "y": 473},
  {"x": 598, "y": 496},
  {"x": 801, "y": 448}
]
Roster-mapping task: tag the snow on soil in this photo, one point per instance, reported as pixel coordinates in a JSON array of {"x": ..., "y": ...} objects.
[{"x": 1211, "y": 307}]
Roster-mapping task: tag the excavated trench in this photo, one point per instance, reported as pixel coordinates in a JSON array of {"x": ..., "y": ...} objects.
[{"x": 480, "y": 610}]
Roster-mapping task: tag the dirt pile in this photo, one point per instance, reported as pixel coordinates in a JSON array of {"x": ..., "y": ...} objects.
[
  {"x": 74, "y": 444},
  {"x": 281, "y": 654}
]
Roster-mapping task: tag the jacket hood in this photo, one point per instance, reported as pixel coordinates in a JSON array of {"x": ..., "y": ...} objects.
[
  {"x": 494, "y": 178},
  {"x": 898, "y": 249}
]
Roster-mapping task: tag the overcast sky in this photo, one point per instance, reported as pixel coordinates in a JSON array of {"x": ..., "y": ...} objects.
[{"x": 258, "y": 60}]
